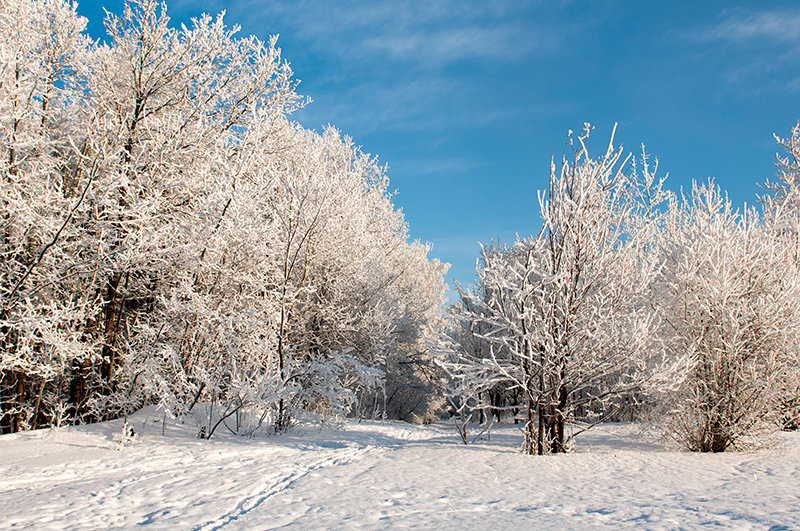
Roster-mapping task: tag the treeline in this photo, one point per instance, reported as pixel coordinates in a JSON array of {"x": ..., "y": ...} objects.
[
  {"x": 633, "y": 302},
  {"x": 171, "y": 237}
]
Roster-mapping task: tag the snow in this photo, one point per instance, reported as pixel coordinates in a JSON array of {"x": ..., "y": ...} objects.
[{"x": 384, "y": 474}]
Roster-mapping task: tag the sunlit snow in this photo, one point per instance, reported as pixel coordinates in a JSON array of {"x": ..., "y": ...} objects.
[{"x": 384, "y": 474}]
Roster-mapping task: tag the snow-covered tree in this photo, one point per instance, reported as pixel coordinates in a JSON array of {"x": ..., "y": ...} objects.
[
  {"x": 42, "y": 96},
  {"x": 563, "y": 313},
  {"x": 168, "y": 99},
  {"x": 782, "y": 214},
  {"x": 728, "y": 292},
  {"x": 782, "y": 202},
  {"x": 171, "y": 237}
]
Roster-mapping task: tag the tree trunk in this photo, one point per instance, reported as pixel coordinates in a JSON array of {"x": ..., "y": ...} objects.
[
  {"x": 552, "y": 429},
  {"x": 112, "y": 314},
  {"x": 282, "y": 422},
  {"x": 530, "y": 430},
  {"x": 78, "y": 390},
  {"x": 561, "y": 421},
  {"x": 540, "y": 440},
  {"x": 20, "y": 400},
  {"x": 12, "y": 398},
  {"x": 719, "y": 439},
  {"x": 5, "y": 403}
]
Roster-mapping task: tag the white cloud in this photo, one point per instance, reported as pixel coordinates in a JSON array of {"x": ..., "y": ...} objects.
[
  {"x": 503, "y": 42},
  {"x": 771, "y": 26},
  {"x": 765, "y": 46},
  {"x": 411, "y": 104},
  {"x": 428, "y": 33},
  {"x": 440, "y": 166}
]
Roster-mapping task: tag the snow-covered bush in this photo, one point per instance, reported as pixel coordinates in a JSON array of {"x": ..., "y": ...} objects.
[
  {"x": 782, "y": 214},
  {"x": 728, "y": 292}
]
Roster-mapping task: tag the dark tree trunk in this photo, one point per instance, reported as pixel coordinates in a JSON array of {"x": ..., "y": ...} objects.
[
  {"x": 20, "y": 400},
  {"x": 112, "y": 314},
  {"x": 540, "y": 440},
  {"x": 561, "y": 421},
  {"x": 6, "y": 403},
  {"x": 78, "y": 390},
  {"x": 12, "y": 398},
  {"x": 530, "y": 435}
]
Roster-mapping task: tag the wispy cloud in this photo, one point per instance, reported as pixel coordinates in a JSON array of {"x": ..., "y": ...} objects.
[
  {"x": 762, "y": 47},
  {"x": 377, "y": 106},
  {"x": 425, "y": 167},
  {"x": 770, "y": 26},
  {"x": 504, "y": 42},
  {"x": 403, "y": 64},
  {"x": 428, "y": 33},
  {"x": 410, "y": 104}
]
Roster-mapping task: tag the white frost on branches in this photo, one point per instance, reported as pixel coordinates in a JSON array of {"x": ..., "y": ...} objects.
[
  {"x": 563, "y": 315},
  {"x": 169, "y": 236}
]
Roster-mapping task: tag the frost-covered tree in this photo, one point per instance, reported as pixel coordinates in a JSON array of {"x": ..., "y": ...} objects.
[
  {"x": 728, "y": 292},
  {"x": 42, "y": 100},
  {"x": 168, "y": 99},
  {"x": 782, "y": 202},
  {"x": 782, "y": 215},
  {"x": 170, "y": 237},
  {"x": 563, "y": 313}
]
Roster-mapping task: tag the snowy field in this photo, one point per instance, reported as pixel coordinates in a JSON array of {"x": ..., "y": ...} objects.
[{"x": 385, "y": 475}]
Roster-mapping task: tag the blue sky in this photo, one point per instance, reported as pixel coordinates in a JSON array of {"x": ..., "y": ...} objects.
[{"x": 467, "y": 101}]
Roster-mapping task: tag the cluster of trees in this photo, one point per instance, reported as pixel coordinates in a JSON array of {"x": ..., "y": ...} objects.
[
  {"x": 169, "y": 236},
  {"x": 632, "y": 299}
]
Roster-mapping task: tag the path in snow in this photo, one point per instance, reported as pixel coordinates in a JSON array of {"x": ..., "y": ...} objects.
[{"x": 378, "y": 475}]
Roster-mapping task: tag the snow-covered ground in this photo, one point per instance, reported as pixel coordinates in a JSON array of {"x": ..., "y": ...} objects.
[{"x": 380, "y": 475}]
